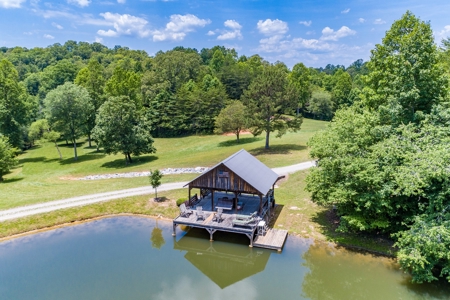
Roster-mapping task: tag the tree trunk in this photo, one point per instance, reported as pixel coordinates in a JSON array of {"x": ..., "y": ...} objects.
[
  {"x": 156, "y": 194},
  {"x": 89, "y": 139},
  {"x": 75, "y": 149},
  {"x": 59, "y": 151},
  {"x": 237, "y": 136},
  {"x": 129, "y": 158},
  {"x": 267, "y": 139}
]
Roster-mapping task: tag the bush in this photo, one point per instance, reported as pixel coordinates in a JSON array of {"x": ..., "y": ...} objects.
[{"x": 181, "y": 200}]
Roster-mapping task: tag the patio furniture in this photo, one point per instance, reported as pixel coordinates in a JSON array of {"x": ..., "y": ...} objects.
[
  {"x": 245, "y": 220},
  {"x": 225, "y": 203},
  {"x": 218, "y": 216},
  {"x": 200, "y": 213},
  {"x": 185, "y": 212}
]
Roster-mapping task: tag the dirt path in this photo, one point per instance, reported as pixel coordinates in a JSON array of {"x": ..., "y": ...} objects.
[{"x": 29, "y": 210}]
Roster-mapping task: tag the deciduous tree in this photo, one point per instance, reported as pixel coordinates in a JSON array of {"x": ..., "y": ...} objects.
[
  {"x": 7, "y": 154},
  {"x": 68, "y": 108},
  {"x": 121, "y": 127},
  {"x": 231, "y": 119}
]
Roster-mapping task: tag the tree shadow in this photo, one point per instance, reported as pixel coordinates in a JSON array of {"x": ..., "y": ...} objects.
[
  {"x": 11, "y": 180},
  {"x": 160, "y": 199},
  {"x": 70, "y": 145},
  {"x": 122, "y": 164},
  {"x": 81, "y": 158},
  {"x": 328, "y": 222},
  {"x": 32, "y": 159},
  {"x": 277, "y": 149},
  {"x": 242, "y": 141}
]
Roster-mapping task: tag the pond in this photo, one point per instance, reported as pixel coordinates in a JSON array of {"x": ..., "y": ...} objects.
[{"x": 137, "y": 258}]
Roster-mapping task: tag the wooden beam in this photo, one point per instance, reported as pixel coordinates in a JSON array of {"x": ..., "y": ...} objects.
[{"x": 212, "y": 200}]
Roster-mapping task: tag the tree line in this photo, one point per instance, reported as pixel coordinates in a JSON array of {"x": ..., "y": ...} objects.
[{"x": 122, "y": 98}]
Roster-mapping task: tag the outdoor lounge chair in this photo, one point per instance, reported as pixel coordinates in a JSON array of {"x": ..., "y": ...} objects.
[
  {"x": 244, "y": 220},
  {"x": 200, "y": 213},
  {"x": 218, "y": 216},
  {"x": 185, "y": 212}
]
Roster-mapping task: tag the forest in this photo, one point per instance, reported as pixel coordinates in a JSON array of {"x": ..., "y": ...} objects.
[{"x": 383, "y": 161}]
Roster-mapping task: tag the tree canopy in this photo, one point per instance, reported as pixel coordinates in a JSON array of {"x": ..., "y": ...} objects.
[
  {"x": 384, "y": 160},
  {"x": 121, "y": 127},
  {"x": 268, "y": 99},
  {"x": 68, "y": 108}
]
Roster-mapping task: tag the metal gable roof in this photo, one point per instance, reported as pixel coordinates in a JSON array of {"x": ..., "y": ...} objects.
[{"x": 250, "y": 169}]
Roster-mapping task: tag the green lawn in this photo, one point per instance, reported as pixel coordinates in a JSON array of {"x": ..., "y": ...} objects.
[{"x": 41, "y": 176}]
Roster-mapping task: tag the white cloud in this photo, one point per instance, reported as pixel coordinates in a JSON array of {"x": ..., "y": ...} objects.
[
  {"x": 232, "y": 24},
  {"x": 445, "y": 32},
  {"x": 57, "y": 25},
  {"x": 178, "y": 26},
  {"x": 306, "y": 23},
  {"x": 81, "y": 3},
  {"x": 48, "y": 36},
  {"x": 211, "y": 32},
  {"x": 361, "y": 20},
  {"x": 11, "y": 3},
  {"x": 124, "y": 25},
  {"x": 345, "y": 11},
  {"x": 275, "y": 27},
  {"x": 231, "y": 34},
  {"x": 98, "y": 39},
  {"x": 121, "y": 1},
  {"x": 278, "y": 44},
  {"x": 329, "y": 34},
  {"x": 379, "y": 21},
  {"x": 310, "y": 32}
]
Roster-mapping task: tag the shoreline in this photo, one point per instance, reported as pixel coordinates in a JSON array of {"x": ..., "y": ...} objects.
[{"x": 347, "y": 247}]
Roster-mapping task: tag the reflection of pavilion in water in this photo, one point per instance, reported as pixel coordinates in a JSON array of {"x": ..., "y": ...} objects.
[{"x": 223, "y": 263}]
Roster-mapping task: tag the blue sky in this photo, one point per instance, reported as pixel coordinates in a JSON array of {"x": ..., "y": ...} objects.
[{"x": 313, "y": 32}]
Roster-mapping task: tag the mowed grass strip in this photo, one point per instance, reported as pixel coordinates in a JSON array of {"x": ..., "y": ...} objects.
[
  {"x": 294, "y": 211},
  {"x": 41, "y": 176}
]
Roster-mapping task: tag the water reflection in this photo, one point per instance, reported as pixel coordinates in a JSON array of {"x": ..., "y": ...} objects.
[
  {"x": 135, "y": 258},
  {"x": 222, "y": 262},
  {"x": 157, "y": 237},
  {"x": 340, "y": 274}
]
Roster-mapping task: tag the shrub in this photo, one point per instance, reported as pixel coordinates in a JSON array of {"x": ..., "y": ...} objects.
[{"x": 181, "y": 200}]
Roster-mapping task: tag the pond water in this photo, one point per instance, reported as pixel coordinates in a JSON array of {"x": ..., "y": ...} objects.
[{"x": 137, "y": 258}]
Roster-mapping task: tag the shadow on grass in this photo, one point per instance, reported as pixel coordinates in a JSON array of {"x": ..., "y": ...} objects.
[
  {"x": 81, "y": 158},
  {"x": 121, "y": 163},
  {"x": 32, "y": 160},
  {"x": 275, "y": 214},
  {"x": 278, "y": 149},
  {"x": 11, "y": 180},
  {"x": 374, "y": 243},
  {"x": 242, "y": 141},
  {"x": 160, "y": 199},
  {"x": 70, "y": 145}
]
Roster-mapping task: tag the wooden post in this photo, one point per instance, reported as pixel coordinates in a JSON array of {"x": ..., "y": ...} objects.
[
  {"x": 174, "y": 233},
  {"x": 260, "y": 204},
  {"x": 235, "y": 200},
  {"x": 189, "y": 195},
  {"x": 212, "y": 200}
]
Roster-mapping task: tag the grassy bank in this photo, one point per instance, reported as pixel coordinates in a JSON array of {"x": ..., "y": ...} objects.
[
  {"x": 295, "y": 212},
  {"x": 41, "y": 176}
]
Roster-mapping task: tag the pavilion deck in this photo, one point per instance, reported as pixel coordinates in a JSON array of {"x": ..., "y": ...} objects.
[{"x": 250, "y": 205}]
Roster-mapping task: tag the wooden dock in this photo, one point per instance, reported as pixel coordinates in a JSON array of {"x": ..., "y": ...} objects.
[{"x": 273, "y": 239}]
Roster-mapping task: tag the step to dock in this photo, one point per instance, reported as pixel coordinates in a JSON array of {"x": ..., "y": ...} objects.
[{"x": 273, "y": 239}]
